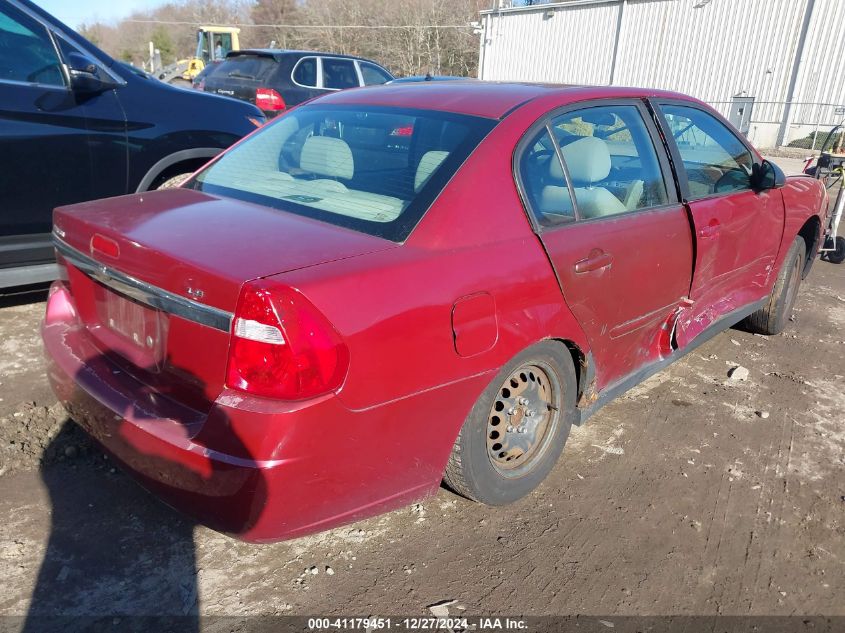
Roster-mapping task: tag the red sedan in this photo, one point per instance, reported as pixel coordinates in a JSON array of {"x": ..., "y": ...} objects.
[{"x": 392, "y": 287}]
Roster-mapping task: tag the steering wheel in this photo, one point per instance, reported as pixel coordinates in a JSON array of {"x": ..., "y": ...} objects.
[
  {"x": 732, "y": 180},
  {"x": 535, "y": 156}
]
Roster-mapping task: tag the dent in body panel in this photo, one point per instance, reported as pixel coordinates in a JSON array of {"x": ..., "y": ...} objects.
[
  {"x": 621, "y": 307},
  {"x": 804, "y": 197}
]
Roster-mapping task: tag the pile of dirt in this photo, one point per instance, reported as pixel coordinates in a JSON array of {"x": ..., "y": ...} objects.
[{"x": 34, "y": 436}]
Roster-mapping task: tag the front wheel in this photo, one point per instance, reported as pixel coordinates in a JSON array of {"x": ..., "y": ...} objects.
[
  {"x": 772, "y": 318},
  {"x": 174, "y": 181},
  {"x": 517, "y": 429}
]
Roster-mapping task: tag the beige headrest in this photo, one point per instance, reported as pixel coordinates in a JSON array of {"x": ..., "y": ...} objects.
[
  {"x": 327, "y": 156},
  {"x": 588, "y": 161}
]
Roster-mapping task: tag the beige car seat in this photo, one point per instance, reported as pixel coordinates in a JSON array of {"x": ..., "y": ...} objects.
[
  {"x": 633, "y": 195},
  {"x": 588, "y": 161},
  {"x": 428, "y": 164},
  {"x": 327, "y": 156}
]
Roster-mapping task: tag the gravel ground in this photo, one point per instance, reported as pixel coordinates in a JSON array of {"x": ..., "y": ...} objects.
[{"x": 692, "y": 494}]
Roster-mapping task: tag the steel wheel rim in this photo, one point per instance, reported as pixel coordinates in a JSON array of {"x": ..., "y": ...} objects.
[{"x": 523, "y": 419}]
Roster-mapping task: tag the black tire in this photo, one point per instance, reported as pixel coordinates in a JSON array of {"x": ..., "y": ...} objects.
[
  {"x": 471, "y": 471},
  {"x": 837, "y": 256},
  {"x": 772, "y": 318},
  {"x": 174, "y": 181}
]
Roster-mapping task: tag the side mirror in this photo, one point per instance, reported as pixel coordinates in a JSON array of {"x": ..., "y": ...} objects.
[
  {"x": 85, "y": 75},
  {"x": 767, "y": 175}
]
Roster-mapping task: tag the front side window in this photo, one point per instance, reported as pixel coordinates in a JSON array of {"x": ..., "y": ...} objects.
[
  {"x": 371, "y": 169},
  {"x": 542, "y": 178},
  {"x": 26, "y": 52},
  {"x": 223, "y": 45},
  {"x": 611, "y": 160},
  {"x": 373, "y": 75},
  {"x": 715, "y": 160},
  {"x": 305, "y": 73},
  {"x": 339, "y": 74},
  {"x": 67, "y": 49}
]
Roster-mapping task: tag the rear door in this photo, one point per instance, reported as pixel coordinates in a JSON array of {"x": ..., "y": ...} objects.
[
  {"x": 339, "y": 73},
  {"x": 737, "y": 229},
  {"x": 45, "y": 158},
  {"x": 613, "y": 228},
  {"x": 301, "y": 85}
]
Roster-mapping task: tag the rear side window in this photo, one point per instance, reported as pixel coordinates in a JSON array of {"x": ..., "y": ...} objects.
[
  {"x": 339, "y": 74},
  {"x": 255, "y": 67},
  {"x": 611, "y": 160},
  {"x": 715, "y": 160},
  {"x": 26, "y": 52},
  {"x": 305, "y": 72},
  {"x": 373, "y": 75},
  {"x": 543, "y": 181},
  {"x": 368, "y": 168}
]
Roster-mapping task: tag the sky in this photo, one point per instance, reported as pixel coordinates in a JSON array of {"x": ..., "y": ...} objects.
[{"x": 76, "y": 12}]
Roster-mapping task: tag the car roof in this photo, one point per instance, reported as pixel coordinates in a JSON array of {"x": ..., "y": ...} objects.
[
  {"x": 419, "y": 78},
  {"x": 278, "y": 53},
  {"x": 487, "y": 99}
]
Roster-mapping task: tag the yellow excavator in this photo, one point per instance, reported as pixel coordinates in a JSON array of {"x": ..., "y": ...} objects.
[{"x": 213, "y": 43}]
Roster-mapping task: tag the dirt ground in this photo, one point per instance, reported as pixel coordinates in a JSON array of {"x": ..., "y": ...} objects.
[{"x": 692, "y": 494}]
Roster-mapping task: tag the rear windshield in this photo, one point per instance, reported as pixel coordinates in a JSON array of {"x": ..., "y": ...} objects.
[
  {"x": 245, "y": 67},
  {"x": 371, "y": 169}
]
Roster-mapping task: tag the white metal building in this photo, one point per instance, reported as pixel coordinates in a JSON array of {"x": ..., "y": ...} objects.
[{"x": 772, "y": 66}]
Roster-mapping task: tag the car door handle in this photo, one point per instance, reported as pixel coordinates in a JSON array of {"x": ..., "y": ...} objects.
[
  {"x": 710, "y": 230},
  {"x": 597, "y": 260}
]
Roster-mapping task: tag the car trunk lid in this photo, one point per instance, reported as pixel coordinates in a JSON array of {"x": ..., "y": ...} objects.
[{"x": 156, "y": 277}]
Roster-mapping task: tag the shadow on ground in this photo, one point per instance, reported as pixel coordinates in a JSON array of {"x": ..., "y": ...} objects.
[{"x": 117, "y": 559}]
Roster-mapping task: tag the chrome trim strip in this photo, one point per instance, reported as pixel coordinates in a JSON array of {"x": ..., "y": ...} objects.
[{"x": 145, "y": 293}]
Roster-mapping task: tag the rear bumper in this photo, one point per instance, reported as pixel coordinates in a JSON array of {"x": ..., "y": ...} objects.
[{"x": 252, "y": 468}]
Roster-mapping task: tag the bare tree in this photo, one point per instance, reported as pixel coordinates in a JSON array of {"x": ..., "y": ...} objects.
[{"x": 409, "y": 37}]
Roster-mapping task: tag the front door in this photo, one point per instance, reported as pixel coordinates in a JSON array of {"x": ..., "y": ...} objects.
[
  {"x": 623, "y": 250},
  {"x": 45, "y": 159},
  {"x": 737, "y": 229},
  {"x": 105, "y": 122}
]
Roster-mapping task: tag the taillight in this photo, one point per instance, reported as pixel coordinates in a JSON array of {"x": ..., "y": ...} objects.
[
  {"x": 282, "y": 346},
  {"x": 268, "y": 99}
]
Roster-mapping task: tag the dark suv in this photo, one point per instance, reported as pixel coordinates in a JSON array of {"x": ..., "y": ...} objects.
[
  {"x": 76, "y": 125},
  {"x": 275, "y": 79}
]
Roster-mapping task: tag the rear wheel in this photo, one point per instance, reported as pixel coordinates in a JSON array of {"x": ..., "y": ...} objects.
[
  {"x": 772, "y": 318},
  {"x": 517, "y": 429}
]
